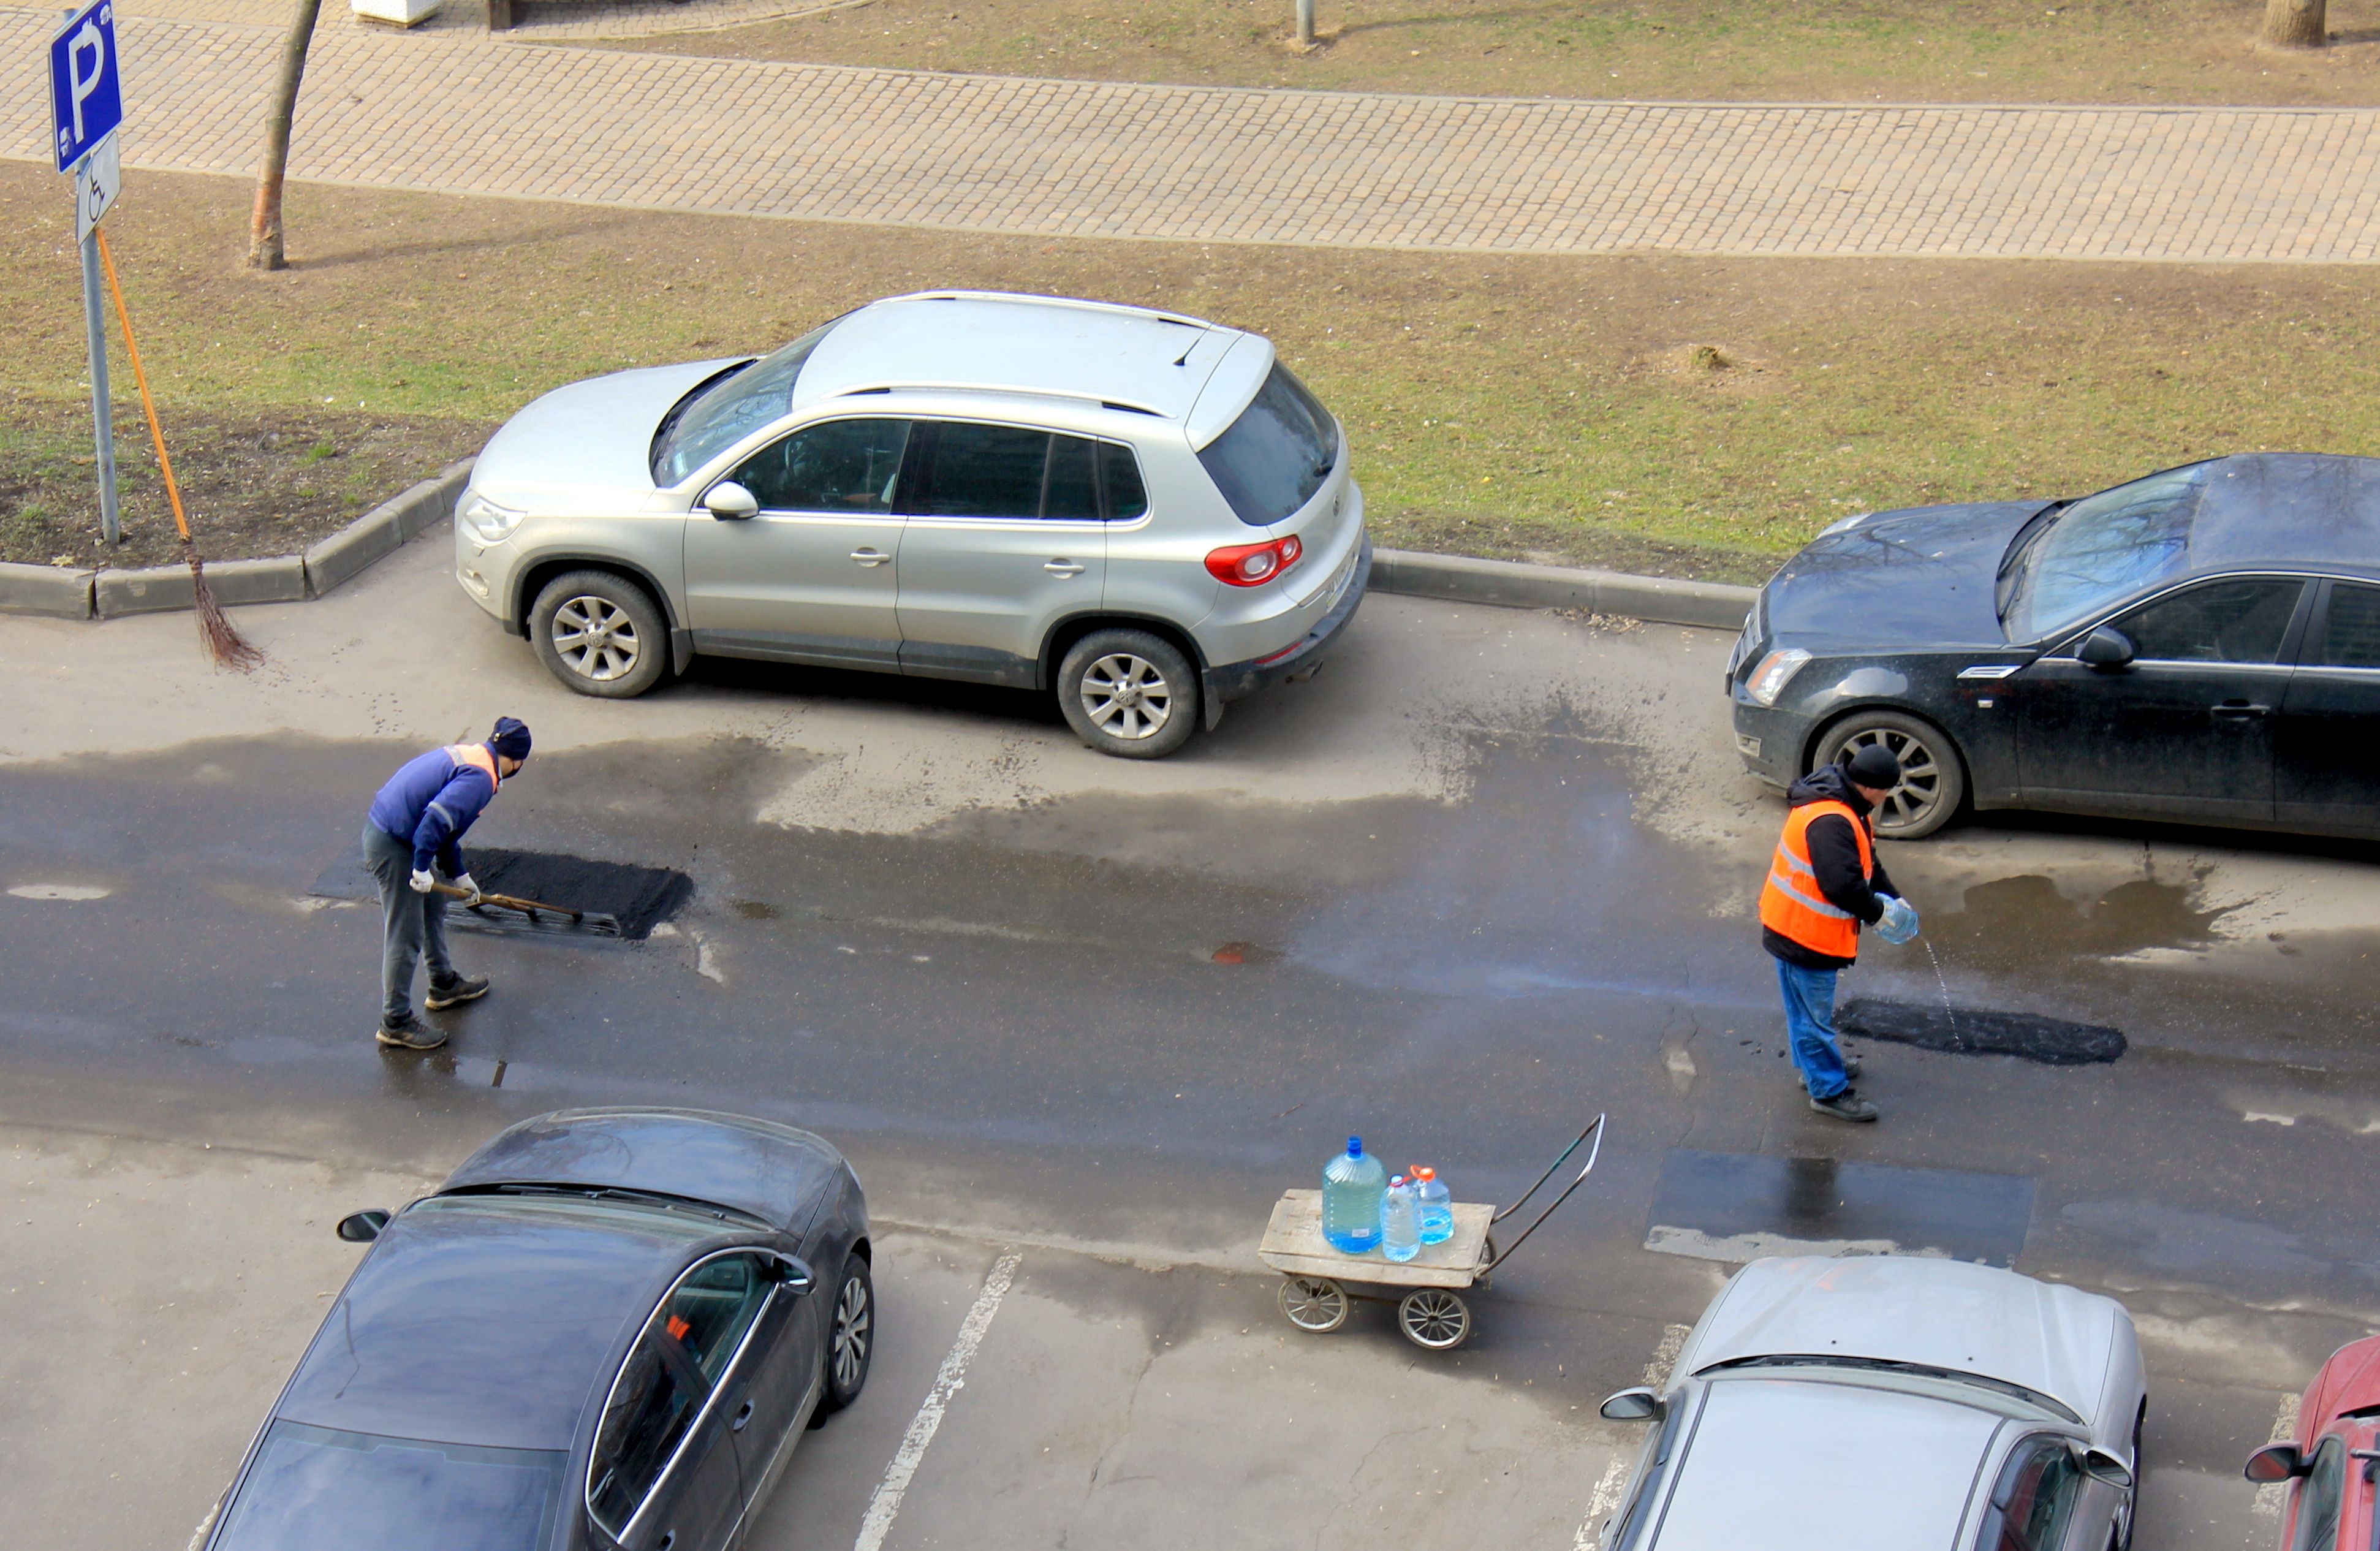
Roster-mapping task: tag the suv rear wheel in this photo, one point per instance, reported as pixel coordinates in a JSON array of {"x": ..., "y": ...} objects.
[
  {"x": 600, "y": 634},
  {"x": 1129, "y": 692}
]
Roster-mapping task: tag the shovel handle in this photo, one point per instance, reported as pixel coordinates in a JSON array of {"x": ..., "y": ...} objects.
[{"x": 529, "y": 907}]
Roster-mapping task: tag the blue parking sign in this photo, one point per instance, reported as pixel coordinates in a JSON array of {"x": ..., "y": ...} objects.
[{"x": 86, "y": 85}]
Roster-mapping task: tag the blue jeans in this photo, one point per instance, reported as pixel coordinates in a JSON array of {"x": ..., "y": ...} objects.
[{"x": 1810, "y": 1020}]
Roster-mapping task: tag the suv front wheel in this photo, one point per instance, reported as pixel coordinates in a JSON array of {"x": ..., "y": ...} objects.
[
  {"x": 600, "y": 634},
  {"x": 1129, "y": 692}
]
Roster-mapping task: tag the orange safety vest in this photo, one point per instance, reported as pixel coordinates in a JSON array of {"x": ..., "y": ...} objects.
[
  {"x": 1790, "y": 902},
  {"x": 478, "y": 754}
]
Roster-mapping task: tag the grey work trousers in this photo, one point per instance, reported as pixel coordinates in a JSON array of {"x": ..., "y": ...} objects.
[{"x": 414, "y": 925}]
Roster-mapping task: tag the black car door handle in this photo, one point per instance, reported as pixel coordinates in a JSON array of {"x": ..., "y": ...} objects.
[
  {"x": 743, "y": 1414},
  {"x": 2241, "y": 710}
]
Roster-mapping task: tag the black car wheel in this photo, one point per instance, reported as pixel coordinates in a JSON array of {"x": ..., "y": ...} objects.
[
  {"x": 851, "y": 1336},
  {"x": 1933, "y": 779}
]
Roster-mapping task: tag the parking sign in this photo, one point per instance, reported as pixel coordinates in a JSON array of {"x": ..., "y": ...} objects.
[{"x": 86, "y": 87}]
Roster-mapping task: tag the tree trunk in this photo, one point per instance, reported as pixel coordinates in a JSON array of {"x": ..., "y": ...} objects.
[
  {"x": 264, "y": 230},
  {"x": 2296, "y": 23}
]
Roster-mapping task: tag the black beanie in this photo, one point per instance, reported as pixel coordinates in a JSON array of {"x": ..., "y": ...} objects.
[
  {"x": 511, "y": 739},
  {"x": 1873, "y": 767}
]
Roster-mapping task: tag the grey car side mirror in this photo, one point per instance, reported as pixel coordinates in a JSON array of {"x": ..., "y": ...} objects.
[
  {"x": 1632, "y": 1405},
  {"x": 2100, "y": 1465},
  {"x": 2107, "y": 648},
  {"x": 362, "y": 1227},
  {"x": 793, "y": 1275},
  {"x": 2274, "y": 1463},
  {"x": 730, "y": 502}
]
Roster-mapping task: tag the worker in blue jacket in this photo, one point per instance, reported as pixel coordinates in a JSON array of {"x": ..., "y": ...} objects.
[{"x": 411, "y": 837}]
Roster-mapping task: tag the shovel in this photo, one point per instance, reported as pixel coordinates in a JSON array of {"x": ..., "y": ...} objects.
[{"x": 537, "y": 910}]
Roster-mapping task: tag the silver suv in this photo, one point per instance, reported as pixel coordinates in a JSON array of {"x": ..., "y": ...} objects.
[{"x": 1144, "y": 514}]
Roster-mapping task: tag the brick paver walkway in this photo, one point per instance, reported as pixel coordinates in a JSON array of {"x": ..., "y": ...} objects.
[{"x": 449, "y": 112}]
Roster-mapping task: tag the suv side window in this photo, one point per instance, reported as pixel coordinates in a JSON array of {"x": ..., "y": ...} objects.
[
  {"x": 2220, "y": 622},
  {"x": 842, "y": 467},
  {"x": 1011, "y": 472},
  {"x": 2319, "y": 1496},
  {"x": 684, "y": 1348},
  {"x": 2035, "y": 1500}
]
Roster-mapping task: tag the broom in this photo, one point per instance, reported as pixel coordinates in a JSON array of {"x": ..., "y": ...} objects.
[{"x": 224, "y": 642}]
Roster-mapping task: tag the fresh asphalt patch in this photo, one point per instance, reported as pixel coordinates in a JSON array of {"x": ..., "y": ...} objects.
[
  {"x": 640, "y": 898},
  {"x": 1968, "y": 1032},
  {"x": 1739, "y": 1206}
]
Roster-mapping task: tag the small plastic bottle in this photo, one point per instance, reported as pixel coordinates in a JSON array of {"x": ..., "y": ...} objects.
[
  {"x": 1352, "y": 1187},
  {"x": 1435, "y": 1206},
  {"x": 1400, "y": 1221}
]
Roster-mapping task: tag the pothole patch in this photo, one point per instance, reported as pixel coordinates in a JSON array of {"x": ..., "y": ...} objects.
[
  {"x": 58, "y": 891},
  {"x": 1963, "y": 1031},
  {"x": 640, "y": 898}
]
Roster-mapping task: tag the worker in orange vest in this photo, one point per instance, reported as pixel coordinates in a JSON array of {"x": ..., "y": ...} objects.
[{"x": 1824, "y": 882}]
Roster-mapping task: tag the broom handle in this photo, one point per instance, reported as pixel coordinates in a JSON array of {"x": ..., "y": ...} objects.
[
  {"x": 507, "y": 901},
  {"x": 132, "y": 348}
]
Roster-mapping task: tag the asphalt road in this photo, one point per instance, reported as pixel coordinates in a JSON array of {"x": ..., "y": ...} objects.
[{"x": 1487, "y": 876}]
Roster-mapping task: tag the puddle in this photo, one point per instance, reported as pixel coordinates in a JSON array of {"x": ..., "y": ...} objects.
[
  {"x": 642, "y": 897},
  {"x": 2011, "y": 921},
  {"x": 1968, "y": 1031},
  {"x": 757, "y": 910},
  {"x": 1739, "y": 1206},
  {"x": 1245, "y": 954}
]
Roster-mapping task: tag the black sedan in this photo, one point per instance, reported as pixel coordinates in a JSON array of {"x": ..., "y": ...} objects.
[
  {"x": 2199, "y": 644},
  {"x": 607, "y": 1331}
]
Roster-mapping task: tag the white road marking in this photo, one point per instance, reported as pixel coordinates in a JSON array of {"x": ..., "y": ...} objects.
[
  {"x": 2252, "y": 1115},
  {"x": 2271, "y": 1499},
  {"x": 883, "y": 1508},
  {"x": 59, "y": 892},
  {"x": 1604, "y": 1502},
  {"x": 1665, "y": 1356}
]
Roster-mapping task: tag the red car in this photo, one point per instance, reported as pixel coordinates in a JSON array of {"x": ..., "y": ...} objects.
[{"x": 2334, "y": 1456}]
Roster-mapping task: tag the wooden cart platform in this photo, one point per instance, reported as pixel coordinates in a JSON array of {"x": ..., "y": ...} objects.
[{"x": 1294, "y": 1246}]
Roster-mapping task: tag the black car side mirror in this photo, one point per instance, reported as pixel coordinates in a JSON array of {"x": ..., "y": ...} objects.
[
  {"x": 2275, "y": 1462},
  {"x": 362, "y": 1227},
  {"x": 791, "y": 1275},
  {"x": 2107, "y": 648},
  {"x": 1632, "y": 1405}
]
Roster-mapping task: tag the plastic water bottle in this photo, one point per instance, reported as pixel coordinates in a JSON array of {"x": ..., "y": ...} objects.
[
  {"x": 1353, "y": 1184},
  {"x": 1400, "y": 1221},
  {"x": 1436, "y": 1207}
]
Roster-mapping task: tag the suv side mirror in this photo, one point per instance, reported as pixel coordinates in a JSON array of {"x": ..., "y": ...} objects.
[
  {"x": 2107, "y": 648},
  {"x": 362, "y": 1227},
  {"x": 2100, "y": 1465},
  {"x": 1632, "y": 1405},
  {"x": 2274, "y": 1463},
  {"x": 730, "y": 502}
]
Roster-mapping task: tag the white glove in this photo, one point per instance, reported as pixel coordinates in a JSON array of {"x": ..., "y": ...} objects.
[
  {"x": 1900, "y": 922},
  {"x": 422, "y": 882},
  {"x": 463, "y": 882}
]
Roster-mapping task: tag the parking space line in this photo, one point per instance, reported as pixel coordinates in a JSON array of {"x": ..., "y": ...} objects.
[{"x": 948, "y": 1382}]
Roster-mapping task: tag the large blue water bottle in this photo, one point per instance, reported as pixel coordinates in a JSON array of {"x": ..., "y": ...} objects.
[
  {"x": 1400, "y": 1221},
  {"x": 1353, "y": 1184}
]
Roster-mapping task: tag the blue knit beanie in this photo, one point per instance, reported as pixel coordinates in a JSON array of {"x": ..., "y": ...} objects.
[{"x": 510, "y": 738}]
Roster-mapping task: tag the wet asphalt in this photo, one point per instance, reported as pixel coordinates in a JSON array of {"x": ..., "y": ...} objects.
[{"x": 1014, "y": 1036}]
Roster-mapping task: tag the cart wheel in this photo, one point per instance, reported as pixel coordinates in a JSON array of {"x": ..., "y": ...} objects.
[
  {"x": 1434, "y": 1319},
  {"x": 1315, "y": 1304}
]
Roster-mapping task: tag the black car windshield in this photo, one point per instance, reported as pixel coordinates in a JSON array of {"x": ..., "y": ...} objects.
[
  {"x": 2101, "y": 549},
  {"x": 1276, "y": 453},
  {"x": 313, "y": 1487},
  {"x": 729, "y": 407}
]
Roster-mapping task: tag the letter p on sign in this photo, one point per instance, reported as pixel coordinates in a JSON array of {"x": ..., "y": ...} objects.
[{"x": 85, "y": 84}]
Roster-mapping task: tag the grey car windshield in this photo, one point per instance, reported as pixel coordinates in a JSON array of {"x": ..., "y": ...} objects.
[
  {"x": 1276, "y": 455},
  {"x": 730, "y": 408},
  {"x": 313, "y": 1487},
  {"x": 2102, "y": 548}
]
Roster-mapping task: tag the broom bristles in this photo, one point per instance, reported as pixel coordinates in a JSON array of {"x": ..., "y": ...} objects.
[{"x": 221, "y": 638}]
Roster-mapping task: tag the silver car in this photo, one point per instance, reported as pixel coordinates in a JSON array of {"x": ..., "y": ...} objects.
[
  {"x": 1887, "y": 1403},
  {"x": 1144, "y": 514}
]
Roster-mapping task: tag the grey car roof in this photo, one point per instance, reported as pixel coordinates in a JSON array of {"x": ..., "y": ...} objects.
[
  {"x": 1973, "y": 1319},
  {"x": 774, "y": 1172},
  {"x": 992, "y": 342},
  {"x": 1789, "y": 1466}
]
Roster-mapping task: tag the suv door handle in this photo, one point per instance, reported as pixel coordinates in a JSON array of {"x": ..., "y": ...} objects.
[
  {"x": 870, "y": 557},
  {"x": 2241, "y": 710},
  {"x": 1064, "y": 569},
  {"x": 743, "y": 1414}
]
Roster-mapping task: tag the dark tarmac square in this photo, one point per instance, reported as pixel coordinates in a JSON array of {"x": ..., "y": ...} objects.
[{"x": 1019, "y": 1040}]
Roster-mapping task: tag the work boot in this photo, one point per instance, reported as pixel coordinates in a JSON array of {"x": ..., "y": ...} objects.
[
  {"x": 1845, "y": 1106},
  {"x": 462, "y": 988},
  {"x": 408, "y": 1035}
]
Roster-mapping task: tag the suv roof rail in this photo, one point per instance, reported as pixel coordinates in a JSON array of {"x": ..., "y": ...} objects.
[
  {"x": 1120, "y": 309},
  {"x": 1005, "y": 390}
]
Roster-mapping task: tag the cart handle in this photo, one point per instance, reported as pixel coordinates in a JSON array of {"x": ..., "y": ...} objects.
[
  {"x": 1592, "y": 1127},
  {"x": 1595, "y": 1131}
]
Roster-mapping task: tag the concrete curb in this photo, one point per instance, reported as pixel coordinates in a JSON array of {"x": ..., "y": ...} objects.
[
  {"x": 289, "y": 578},
  {"x": 1509, "y": 584}
]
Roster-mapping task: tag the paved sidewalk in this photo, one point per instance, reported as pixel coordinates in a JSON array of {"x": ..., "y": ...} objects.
[{"x": 449, "y": 112}]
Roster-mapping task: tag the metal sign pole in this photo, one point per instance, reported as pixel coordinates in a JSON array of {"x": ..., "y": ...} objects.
[
  {"x": 86, "y": 108},
  {"x": 102, "y": 420}
]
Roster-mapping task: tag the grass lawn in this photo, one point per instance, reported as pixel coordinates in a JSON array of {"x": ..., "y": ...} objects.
[
  {"x": 1696, "y": 417},
  {"x": 1903, "y": 51}
]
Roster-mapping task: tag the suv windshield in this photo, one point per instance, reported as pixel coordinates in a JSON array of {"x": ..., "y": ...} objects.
[
  {"x": 2102, "y": 549},
  {"x": 1276, "y": 453},
  {"x": 312, "y": 1487},
  {"x": 724, "y": 409}
]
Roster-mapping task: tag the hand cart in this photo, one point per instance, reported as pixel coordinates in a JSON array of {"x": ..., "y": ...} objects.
[{"x": 1319, "y": 1282}]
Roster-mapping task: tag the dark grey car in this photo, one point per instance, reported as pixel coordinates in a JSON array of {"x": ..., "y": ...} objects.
[
  {"x": 2201, "y": 645},
  {"x": 607, "y": 1331}
]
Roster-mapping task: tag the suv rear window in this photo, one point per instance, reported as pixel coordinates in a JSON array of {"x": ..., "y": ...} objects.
[{"x": 1276, "y": 453}]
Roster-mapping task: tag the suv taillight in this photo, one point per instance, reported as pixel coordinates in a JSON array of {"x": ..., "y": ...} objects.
[{"x": 1254, "y": 564}]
